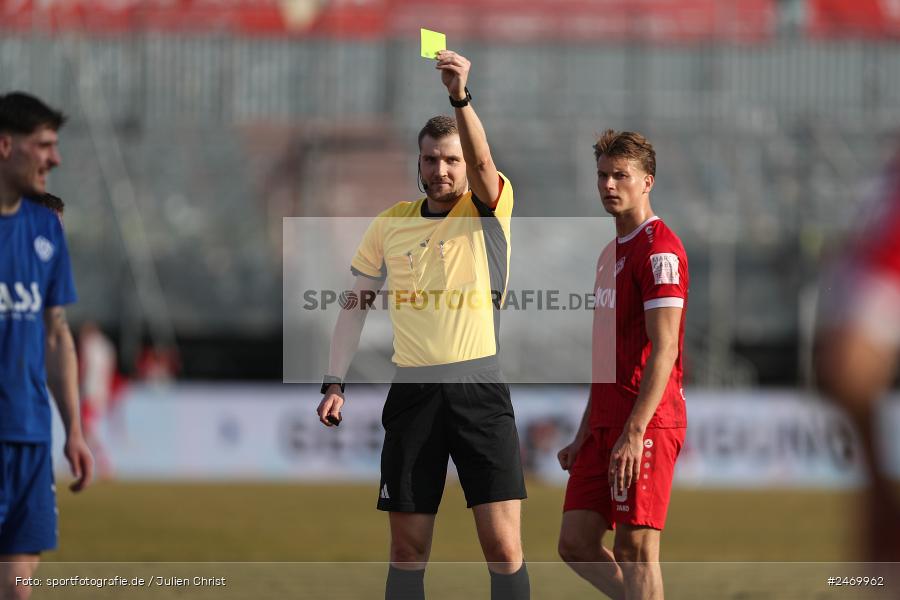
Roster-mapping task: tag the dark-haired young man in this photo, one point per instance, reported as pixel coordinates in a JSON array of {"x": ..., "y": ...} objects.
[
  {"x": 36, "y": 347},
  {"x": 623, "y": 457},
  {"x": 54, "y": 203},
  {"x": 444, "y": 258}
]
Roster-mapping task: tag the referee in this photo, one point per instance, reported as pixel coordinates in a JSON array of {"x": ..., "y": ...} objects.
[{"x": 445, "y": 259}]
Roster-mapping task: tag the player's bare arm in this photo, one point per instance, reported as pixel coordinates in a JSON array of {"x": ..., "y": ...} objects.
[
  {"x": 344, "y": 342},
  {"x": 567, "y": 455},
  {"x": 662, "y": 330},
  {"x": 854, "y": 369},
  {"x": 480, "y": 169},
  {"x": 62, "y": 379}
]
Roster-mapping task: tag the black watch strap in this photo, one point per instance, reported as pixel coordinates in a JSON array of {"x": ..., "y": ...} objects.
[
  {"x": 460, "y": 103},
  {"x": 330, "y": 380}
]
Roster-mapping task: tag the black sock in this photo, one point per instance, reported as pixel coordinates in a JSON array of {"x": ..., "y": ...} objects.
[
  {"x": 405, "y": 585},
  {"x": 511, "y": 587}
]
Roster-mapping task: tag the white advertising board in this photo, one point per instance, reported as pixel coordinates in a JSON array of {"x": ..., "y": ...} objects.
[{"x": 270, "y": 432}]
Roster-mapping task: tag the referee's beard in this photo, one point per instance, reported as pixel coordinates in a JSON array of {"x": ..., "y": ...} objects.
[{"x": 448, "y": 200}]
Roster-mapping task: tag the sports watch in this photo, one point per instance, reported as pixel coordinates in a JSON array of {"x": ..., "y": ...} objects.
[
  {"x": 330, "y": 380},
  {"x": 460, "y": 103}
]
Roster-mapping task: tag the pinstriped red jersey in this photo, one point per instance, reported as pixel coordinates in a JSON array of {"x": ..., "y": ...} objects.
[
  {"x": 644, "y": 270},
  {"x": 878, "y": 249},
  {"x": 866, "y": 288}
]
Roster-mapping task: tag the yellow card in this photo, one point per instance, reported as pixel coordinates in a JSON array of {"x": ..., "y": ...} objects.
[{"x": 432, "y": 43}]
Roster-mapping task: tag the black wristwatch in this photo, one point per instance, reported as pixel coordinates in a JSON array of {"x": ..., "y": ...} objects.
[
  {"x": 330, "y": 380},
  {"x": 460, "y": 103}
]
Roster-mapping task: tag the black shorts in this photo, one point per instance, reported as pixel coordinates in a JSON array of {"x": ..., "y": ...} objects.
[{"x": 467, "y": 416}]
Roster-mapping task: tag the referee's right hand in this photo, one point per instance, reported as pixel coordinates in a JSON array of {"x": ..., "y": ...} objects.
[{"x": 329, "y": 410}]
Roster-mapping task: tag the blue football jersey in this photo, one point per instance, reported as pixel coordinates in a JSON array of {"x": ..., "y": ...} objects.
[{"x": 35, "y": 274}]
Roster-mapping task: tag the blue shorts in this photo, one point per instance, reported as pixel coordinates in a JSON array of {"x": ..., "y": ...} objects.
[{"x": 27, "y": 498}]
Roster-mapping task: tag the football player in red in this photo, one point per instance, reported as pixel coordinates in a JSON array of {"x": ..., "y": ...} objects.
[
  {"x": 622, "y": 460},
  {"x": 858, "y": 346}
]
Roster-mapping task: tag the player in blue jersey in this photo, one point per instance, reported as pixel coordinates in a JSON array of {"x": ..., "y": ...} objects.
[{"x": 36, "y": 347}]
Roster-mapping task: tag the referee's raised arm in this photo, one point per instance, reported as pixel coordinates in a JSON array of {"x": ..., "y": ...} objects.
[{"x": 480, "y": 169}]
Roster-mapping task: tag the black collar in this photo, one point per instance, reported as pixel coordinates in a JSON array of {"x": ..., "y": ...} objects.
[{"x": 430, "y": 215}]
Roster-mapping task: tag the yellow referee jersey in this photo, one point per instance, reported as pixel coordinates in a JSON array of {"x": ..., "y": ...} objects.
[{"x": 446, "y": 277}]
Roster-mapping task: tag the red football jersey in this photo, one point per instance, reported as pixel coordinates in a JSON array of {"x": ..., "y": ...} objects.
[
  {"x": 865, "y": 289},
  {"x": 650, "y": 271},
  {"x": 878, "y": 249}
]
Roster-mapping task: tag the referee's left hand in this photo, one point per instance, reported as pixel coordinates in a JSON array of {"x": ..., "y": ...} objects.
[
  {"x": 625, "y": 461},
  {"x": 329, "y": 410},
  {"x": 454, "y": 70}
]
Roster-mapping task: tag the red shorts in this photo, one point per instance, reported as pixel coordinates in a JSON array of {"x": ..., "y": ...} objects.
[{"x": 644, "y": 503}]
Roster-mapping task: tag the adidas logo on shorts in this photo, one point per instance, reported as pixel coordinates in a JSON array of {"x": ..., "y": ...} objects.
[{"x": 384, "y": 493}]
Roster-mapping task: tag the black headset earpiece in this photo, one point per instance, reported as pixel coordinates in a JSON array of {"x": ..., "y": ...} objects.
[{"x": 420, "y": 182}]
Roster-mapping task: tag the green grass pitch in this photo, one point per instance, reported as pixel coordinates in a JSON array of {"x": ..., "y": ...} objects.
[{"x": 327, "y": 541}]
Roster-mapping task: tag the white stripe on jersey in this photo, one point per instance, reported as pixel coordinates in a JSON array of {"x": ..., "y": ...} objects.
[{"x": 670, "y": 302}]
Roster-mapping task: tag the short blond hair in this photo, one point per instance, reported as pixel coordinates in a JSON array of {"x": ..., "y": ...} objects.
[{"x": 627, "y": 144}]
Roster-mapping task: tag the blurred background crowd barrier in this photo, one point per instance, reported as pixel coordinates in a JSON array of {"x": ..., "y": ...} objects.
[{"x": 198, "y": 126}]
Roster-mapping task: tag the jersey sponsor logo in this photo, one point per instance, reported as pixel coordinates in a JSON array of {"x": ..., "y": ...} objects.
[
  {"x": 665, "y": 268},
  {"x": 43, "y": 248},
  {"x": 620, "y": 264},
  {"x": 605, "y": 298},
  {"x": 27, "y": 299}
]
